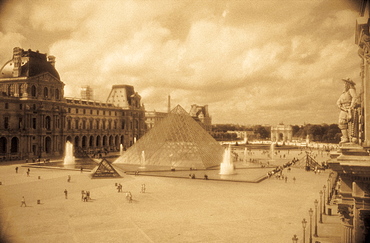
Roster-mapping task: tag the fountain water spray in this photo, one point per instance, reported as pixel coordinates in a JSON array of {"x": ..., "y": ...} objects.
[
  {"x": 120, "y": 149},
  {"x": 69, "y": 159},
  {"x": 227, "y": 167}
]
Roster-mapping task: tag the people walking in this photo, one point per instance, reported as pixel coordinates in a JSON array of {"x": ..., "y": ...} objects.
[
  {"x": 23, "y": 202},
  {"x": 66, "y": 193},
  {"x": 16, "y": 169},
  {"x": 69, "y": 178}
]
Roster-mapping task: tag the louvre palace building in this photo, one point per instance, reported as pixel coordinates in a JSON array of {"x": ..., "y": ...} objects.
[{"x": 36, "y": 119}]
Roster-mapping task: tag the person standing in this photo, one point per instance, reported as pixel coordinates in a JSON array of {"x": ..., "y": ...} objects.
[
  {"x": 65, "y": 193},
  {"x": 69, "y": 178},
  {"x": 23, "y": 202},
  {"x": 16, "y": 169},
  {"x": 82, "y": 195}
]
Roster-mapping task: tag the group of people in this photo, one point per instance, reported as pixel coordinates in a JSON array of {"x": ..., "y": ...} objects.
[
  {"x": 85, "y": 196},
  {"x": 279, "y": 169}
]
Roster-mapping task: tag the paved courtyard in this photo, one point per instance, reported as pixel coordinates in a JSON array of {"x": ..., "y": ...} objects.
[{"x": 171, "y": 209}]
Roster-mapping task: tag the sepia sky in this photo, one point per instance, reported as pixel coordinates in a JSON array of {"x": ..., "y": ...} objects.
[{"x": 251, "y": 62}]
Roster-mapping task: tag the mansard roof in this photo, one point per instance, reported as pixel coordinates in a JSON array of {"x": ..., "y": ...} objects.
[{"x": 31, "y": 64}]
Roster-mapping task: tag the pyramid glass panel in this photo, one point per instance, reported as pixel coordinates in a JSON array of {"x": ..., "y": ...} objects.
[{"x": 176, "y": 141}]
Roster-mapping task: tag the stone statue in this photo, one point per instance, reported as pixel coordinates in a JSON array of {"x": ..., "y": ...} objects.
[{"x": 346, "y": 104}]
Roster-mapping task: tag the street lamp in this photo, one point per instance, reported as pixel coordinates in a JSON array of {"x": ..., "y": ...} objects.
[
  {"x": 329, "y": 191},
  {"x": 324, "y": 199},
  {"x": 316, "y": 203},
  {"x": 304, "y": 223},
  {"x": 320, "y": 207},
  {"x": 295, "y": 239},
  {"x": 310, "y": 213}
]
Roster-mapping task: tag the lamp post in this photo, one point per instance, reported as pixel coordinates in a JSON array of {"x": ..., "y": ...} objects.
[
  {"x": 320, "y": 207},
  {"x": 310, "y": 213},
  {"x": 295, "y": 239},
  {"x": 324, "y": 199},
  {"x": 316, "y": 203},
  {"x": 329, "y": 190},
  {"x": 304, "y": 223}
]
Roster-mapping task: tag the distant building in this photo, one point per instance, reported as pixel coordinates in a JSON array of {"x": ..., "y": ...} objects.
[
  {"x": 153, "y": 117},
  {"x": 36, "y": 119},
  {"x": 87, "y": 93},
  {"x": 201, "y": 115},
  {"x": 281, "y": 133},
  {"x": 124, "y": 96}
]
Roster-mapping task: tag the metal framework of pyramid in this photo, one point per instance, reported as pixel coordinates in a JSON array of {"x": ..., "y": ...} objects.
[
  {"x": 177, "y": 141},
  {"x": 105, "y": 170}
]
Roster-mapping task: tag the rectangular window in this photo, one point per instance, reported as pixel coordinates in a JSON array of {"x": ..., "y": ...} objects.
[
  {"x": 6, "y": 122},
  {"x": 6, "y": 106},
  {"x": 76, "y": 111},
  {"x": 34, "y": 123},
  {"x": 20, "y": 122},
  {"x": 21, "y": 106},
  {"x": 91, "y": 111}
]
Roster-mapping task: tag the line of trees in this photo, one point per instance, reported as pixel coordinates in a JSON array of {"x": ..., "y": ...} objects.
[{"x": 317, "y": 133}]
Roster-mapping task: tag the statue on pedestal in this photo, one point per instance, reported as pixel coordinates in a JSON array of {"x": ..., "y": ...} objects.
[{"x": 346, "y": 104}]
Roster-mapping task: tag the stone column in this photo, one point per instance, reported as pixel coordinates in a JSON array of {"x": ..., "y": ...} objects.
[{"x": 363, "y": 41}]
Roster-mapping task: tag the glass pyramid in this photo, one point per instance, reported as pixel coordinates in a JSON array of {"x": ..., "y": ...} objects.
[
  {"x": 105, "y": 169},
  {"x": 176, "y": 141}
]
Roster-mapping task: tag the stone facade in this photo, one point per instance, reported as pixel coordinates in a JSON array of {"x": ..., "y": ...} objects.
[
  {"x": 201, "y": 115},
  {"x": 352, "y": 163},
  {"x": 281, "y": 133},
  {"x": 36, "y": 119}
]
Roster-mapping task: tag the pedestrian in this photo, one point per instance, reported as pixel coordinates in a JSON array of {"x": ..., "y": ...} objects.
[
  {"x": 23, "y": 202},
  {"x": 16, "y": 169},
  {"x": 65, "y": 193},
  {"x": 88, "y": 195},
  {"x": 81, "y": 169},
  {"x": 82, "y": 195},
  {"x": 294, "y": 179},
  {"x": 286, "y": 179},
  {"x": 28, "y": 173},
  {"x": 69, "y": 178}
]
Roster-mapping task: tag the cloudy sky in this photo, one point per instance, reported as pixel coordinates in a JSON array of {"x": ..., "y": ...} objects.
[{"x": 251, "y": 62}]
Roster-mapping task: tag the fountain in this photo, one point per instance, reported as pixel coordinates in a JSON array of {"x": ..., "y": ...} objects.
[
  {"x": 227, "y": 167},
  {"x": 272, "y": 151},
  {"x": 245, "y": 155},
  {"x": 121, "y": 149},
  {"x": 142, "y": 160},
  {"x": 69, "y": 159}
]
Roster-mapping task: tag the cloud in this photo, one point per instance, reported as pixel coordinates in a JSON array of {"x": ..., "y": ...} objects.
[{"x": 249, "y": 61}]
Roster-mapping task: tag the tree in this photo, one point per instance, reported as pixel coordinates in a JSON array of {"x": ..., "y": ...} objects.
[{"x": 262, "y": 132}]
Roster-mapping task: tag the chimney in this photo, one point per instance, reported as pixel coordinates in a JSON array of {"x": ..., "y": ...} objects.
[
  {"x": 17, "y": 59},
  {"x": 51, "y": 60}
]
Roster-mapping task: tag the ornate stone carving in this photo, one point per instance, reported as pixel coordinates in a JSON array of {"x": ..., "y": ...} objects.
[{"x": 346, "y": 212}]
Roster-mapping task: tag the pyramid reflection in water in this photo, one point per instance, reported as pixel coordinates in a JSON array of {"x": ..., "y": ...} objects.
[{"x": 176, "y": 141}]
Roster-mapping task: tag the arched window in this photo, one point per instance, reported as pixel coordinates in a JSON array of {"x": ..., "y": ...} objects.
[
  {"x": 14, "y": 145},
  {"x": 46, "y": 92}
]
